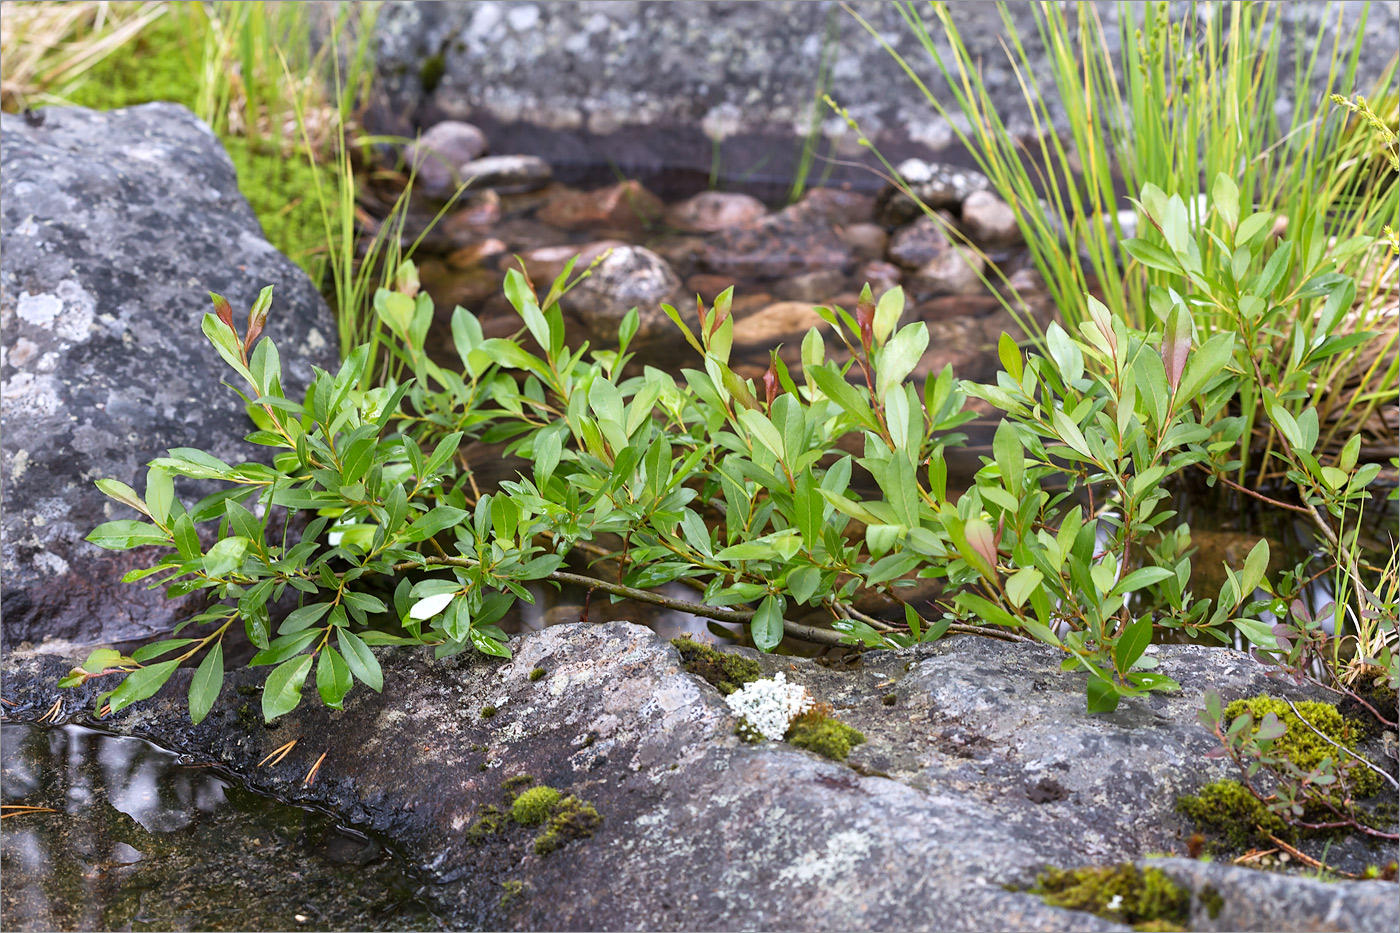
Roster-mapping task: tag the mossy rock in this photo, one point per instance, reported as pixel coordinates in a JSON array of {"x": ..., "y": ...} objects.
[
  {"x": 1304, "y": 747},
  {"x": 1229, "y": 812},
  {"x": 571, "y": 819},
  {"x": 724, "y": 671},
  {"x": 1146, "y": 899},
  {"x": 818, "y": 732}
]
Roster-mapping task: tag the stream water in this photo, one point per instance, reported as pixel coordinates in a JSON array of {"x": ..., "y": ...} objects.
[{"x": 137, "y": 838}]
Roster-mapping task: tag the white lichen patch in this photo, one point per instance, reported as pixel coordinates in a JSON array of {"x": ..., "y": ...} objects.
[
  {"x": 843, "y": 853},
  {"x": 768, "y": 706}
]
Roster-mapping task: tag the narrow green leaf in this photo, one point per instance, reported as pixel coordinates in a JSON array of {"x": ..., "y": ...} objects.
[
  {"x": 282, "y": 692},
  {"x": 363, "y": 664},
  {"x": 207, "y": 682},
  {"x": 767, "y": 624},
  {"x": 141, "y": 684}
]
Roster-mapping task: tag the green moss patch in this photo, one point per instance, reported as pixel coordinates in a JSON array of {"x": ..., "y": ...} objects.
[
  {"x": 1146, "y": 899},
  {"x": 1304, "y": 747},
  {"x": 571, "y": 819},
  {"x": 816, "y": 731},
  {"x": 1234, "y": 816},
  {"x": 533, "y": 806},
  {"x": 489, "y": 822},
  {"x": 724, "y": 671}
]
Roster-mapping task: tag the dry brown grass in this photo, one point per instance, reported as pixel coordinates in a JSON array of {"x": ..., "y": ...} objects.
[{"x": 46, "y": 47}]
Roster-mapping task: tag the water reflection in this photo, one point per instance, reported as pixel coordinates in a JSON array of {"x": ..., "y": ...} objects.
[{"x": 140, "y": 840}]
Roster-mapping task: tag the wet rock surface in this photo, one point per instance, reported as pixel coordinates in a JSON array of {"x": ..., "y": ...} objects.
[
  {"x": 116, "y": 226},
  {"x": 436, "y": 155},
  {"x": 980, "y": 769}
]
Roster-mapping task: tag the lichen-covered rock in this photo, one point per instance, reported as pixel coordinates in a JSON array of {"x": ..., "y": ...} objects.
[
  {"x": 980, "y": 767},
  {"x": 116, "y": 227},
  {"x": 628, "y": 277}
]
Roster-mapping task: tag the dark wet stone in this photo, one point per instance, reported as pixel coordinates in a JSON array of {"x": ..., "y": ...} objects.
[
  {"x": 797, "y": 239},
  {"x": 116, "y": 227},
  {"x": 867, "y": 241},
  {"x": 626, "y": 207},
  {"x": 927, "y": 825},
  {"x": 918, "y": 243}
]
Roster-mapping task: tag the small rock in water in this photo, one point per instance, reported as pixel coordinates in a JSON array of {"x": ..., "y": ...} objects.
[
  {"x": 546, "y": 262},
  {"x": 792, "y": 241},
  {"x": 474, "y": 254},
  {"x": 839, "y": 206},
  {"x": 508, "y": 174},
  {"x": 867, "y": 241},
  {"x": 933, "y": 183},
  {"x": 989, "y": 220},
  {"x": 879, "y": 275},
  {"x": 707, "y": 286},
  {"x": 810, "y": 286},
  {"x": 451, "y": 287},
  {"x": 625, "y": 207},
  {"x": 630, "y": 276},
  {"x": 712, "y": 211},
  {"x": 438, "y": 152},
  {"x": 786, "y": 321},
  {"x": 476, "y": 214},
  {"x": 949, "y": 274},
  {"x": 919, "y": 243}
]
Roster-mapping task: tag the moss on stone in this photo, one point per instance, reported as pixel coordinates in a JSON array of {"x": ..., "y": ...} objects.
[
  {"x": 1146, "y": 899},
  {"x": 1304, "y": 747},
  {"x": 489, "y": 822},
  {"x": 1212, "y": 901},
  {"x": 534, "y": 806},
  {"x": 572, "y": 819},
  {"x": 431, "y": 71},
  {"x": 1234, "y": 816},
  {"x": 510, "y": 891},
  {"x": 725, "y": 671},
  {"x": 488, "y": 711},
  {"x": 512, "y": 785},
  {"x": 889, "y": 699},
  {"x": 537, "y": 673},
  {"x": 817, "y": 731}
]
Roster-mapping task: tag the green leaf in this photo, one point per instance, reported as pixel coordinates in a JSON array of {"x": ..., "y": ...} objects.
[
  {"x": 487, "y": 645},
  {"x": 332, "y": 677},
  {"x": 1176, "y": 344},
  {"x": 803, "y": 582},
  {"x": 208, "y": 681},
  {"x": 887, "y": 312},
  {"x": 303, "y": 618},
  {"x": 125, "y": 534},
  {"x": 363, "y": 664},
  {"x": 226, "y": 556},
  {"x": 439, "y": 519},
  {"x": 1021, "y": 584},
  {"x": 1132, "y": 643},
  {"x": 156, "y": 649},
  {"x": 115, "y": 489},
  {"x": 1254, "y": 567},
  {"x": 1010, "y": 457},
  {"x": 767, "y": 624},
  {"x": 141, "y": 684},
  {"x": 282, "y": 692},
  {"x": 1102, "y": 695},
  {"x": 1207, "y": 362},
  {"x": 1143, "y": 576},
  {"x": 761, "y": 428},
  {"x": 897, "y": 359},
  {"x": 280, "y": 649}
]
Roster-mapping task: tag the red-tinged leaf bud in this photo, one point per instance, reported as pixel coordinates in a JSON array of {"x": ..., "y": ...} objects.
[
  {"x": 865, "y": 317},
  {"x": 406, "y": 279},
  {"x": 704, "y": 316},
  {"x": 771, "y": 387},
  {"x": 223, "y": 309}
]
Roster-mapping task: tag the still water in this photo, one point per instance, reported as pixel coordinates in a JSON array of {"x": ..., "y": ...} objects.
[{"x": 138, "y": 838}]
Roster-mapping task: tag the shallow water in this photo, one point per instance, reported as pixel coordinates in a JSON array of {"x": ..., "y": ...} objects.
[{"x": 140, "y": 839}]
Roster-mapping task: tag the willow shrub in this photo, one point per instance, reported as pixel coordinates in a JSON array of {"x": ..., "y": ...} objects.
[{"x": 740, "y": 489}]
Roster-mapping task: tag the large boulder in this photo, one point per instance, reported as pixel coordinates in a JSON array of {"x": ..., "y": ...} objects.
[
  {"x": 980, "y": 768},
  {"x": 116, "y": 227}
]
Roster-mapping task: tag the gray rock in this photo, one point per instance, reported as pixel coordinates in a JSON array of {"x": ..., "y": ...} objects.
[
  {"x": 630, "y": 276},
  {"x": 880, "y": 276},
  {"x": 730, "y": 84},
  {"x": 949, "y": 273},
  {"x": 711, "y": 211},
  {"x": 918, "y": 243},
  {"x": 867, "y": 241},
  {"x": 507, "y": 174},
  {"x": 989, "y": 220},
  {"x": 116, "y": 227},
  {"x": 933, "y": 185},
  {"x": 981, "y": 767},
  {"x": 820, "y": 285},
  {"x": 438, "y": 152}
]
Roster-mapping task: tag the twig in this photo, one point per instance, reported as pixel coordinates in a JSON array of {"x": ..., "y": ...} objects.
[
  {"x": 1339, "y": 747},
  {"x": 1308, "y": 859},
  {"x": 1261, "y": 497},
  {"x": 53, "y": 712},
  {"x": 311, "y": 775},
  {"x": 277, "y": 754},
  {"x": 15, "y": 809}
]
